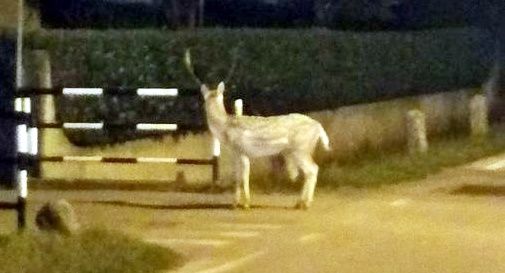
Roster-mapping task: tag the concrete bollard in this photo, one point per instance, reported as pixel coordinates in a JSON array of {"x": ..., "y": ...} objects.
[
  {"x": 416, "y": 132},
  {"x": 479, "y": 124},
  {"x": 239, "y": 107},
  {"x": 57, "y": 216},
  {"x": 38, "y": 75}
]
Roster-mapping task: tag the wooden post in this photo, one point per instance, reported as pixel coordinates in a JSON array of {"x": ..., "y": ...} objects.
[
  {"x": 479, "y": 124},
  {"x": 416, "y": 132}
]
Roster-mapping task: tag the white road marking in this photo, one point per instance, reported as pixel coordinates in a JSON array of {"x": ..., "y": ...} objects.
[
  {"x": 311, "y": 237},
  {"x": 250, "y": 226},
  {"x": 400, "y": 202},
  {"x": 228, "y": 234},
  {"x": 489, "y": 164},
  {"x": 233, "y": 264},
  {"x": 239, "y": 234},
  {"x": 495, "y": 166},
  {"x": 180, "y": 241}
]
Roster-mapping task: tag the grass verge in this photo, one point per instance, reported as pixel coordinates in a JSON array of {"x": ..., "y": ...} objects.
[
  {"x": 97, "y": 251},
  {"x": 381, "y": 168}
]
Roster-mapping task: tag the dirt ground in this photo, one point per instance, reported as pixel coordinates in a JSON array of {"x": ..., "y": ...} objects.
[{"x": 451, "y": 222}]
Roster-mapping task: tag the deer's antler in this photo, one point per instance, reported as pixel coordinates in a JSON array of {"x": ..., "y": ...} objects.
[{"x": 190, "y": 68}]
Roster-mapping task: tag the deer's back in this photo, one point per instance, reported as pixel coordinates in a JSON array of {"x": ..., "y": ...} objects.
[{"x": 262, "y": 136}]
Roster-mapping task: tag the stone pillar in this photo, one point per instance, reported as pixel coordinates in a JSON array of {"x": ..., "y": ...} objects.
[
  {"x": 38, "y": 75},
  {"x": 479, "y": 124},
  {"x": 416, "y": 132},
  {"x": 37, "y": 69}
]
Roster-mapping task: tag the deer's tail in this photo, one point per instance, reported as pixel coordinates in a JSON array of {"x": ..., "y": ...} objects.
[{"x": 323, "y": 136}]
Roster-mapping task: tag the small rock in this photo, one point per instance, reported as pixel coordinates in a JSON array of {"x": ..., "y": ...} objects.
[{"x": 57, "y": 216}]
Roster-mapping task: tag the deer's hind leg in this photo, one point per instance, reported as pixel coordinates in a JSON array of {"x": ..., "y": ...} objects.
[
  {"x": 242, "y": 181},
  {"x": 310, "y": 171},
  {"x": 291, "y": 167}
]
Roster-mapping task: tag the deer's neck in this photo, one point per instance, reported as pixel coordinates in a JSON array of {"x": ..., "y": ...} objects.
[{"x": 216, "y": 118}]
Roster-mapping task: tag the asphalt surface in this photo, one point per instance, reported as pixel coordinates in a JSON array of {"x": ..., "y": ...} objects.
[{"x": 451, "y": 222}]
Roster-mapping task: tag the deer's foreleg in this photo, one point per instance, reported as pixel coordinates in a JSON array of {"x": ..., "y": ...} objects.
[
  {"x": 238, "y": 181},
  {"x": 242, "y": 170},
  {"x": 244, "y": 161}
]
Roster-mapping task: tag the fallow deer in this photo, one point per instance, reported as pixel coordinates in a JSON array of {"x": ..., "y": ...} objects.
[{"x": 294, "y": 136}]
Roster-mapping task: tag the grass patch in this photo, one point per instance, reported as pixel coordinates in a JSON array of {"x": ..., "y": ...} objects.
[
  {"x": 91, "y": 251},
  {"x": 381, "y": 168}
]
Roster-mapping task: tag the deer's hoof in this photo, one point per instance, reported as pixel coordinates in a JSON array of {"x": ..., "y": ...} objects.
[{"x": 301, "y": 205}]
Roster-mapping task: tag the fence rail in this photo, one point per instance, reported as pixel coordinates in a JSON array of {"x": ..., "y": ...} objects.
[{"x": 112, "y": 91}]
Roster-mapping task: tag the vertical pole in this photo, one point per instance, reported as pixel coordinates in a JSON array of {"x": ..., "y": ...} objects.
[
  {"x": 21, "y": 175},
  {"x": 19, "y": 45},
  {"x": 216, "y": 152},
  {"x": 21, "y": 130},
  {"x": 239, "y": 107},
  {"x": 22, "y": 189}
]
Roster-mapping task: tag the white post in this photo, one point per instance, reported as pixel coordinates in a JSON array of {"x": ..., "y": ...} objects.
[
  {"x": 22, "y": 185},
  {"x": 33, "y": 141},
  {"x": 239, "y": 107},
  {"x": 27, "y": 105},
  {"x": 18, "y": 105},
  {"x": 416, "y": 132},
  {"x": 22, "y": 138},
  {"x": 21, "y": 130},
  {"x": 32, "y": 133},
  {"x": 216, "y": 147}
]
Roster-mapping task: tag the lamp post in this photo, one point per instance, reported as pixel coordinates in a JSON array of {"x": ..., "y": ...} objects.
[
  {"x": 201, "y": 8},
  {"x": 19, "y": 45}
]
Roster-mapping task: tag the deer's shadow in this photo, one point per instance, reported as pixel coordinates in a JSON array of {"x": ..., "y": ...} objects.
[
  {"x": 491, "y": 190},
  {"x": 192, "y": 206}
]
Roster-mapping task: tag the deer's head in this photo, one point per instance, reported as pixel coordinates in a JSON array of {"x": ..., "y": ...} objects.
[{"x": 212, "y": 94}]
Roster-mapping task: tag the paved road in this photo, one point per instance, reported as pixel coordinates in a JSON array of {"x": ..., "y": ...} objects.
[{"x": 451, "y": 222}]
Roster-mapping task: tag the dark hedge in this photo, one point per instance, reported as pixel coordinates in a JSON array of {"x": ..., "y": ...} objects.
[{"x": 278, "y": 71}]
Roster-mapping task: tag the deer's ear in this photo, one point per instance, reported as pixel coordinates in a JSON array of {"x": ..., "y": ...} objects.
[
  {"x": 220, "y": 88},
  {"x": 204, "y": 89}
]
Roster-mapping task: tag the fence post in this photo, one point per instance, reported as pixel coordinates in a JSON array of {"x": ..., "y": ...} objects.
[
  {"x": 416, "y": 132},
  {"x": 38, "y": 75},
  {"x": 479, "y": 124}
]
